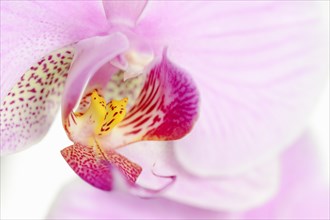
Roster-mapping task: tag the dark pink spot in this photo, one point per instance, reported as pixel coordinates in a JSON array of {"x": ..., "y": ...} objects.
[
  {"x": 32, "y": 90},
  {"x": 41, "y": 61}
]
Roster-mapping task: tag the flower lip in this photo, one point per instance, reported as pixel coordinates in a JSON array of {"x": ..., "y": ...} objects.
[{"x": 166, "y": 109}]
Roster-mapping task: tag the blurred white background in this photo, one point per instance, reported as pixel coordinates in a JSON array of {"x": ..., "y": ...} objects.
[{"x": 30, "y": 180}]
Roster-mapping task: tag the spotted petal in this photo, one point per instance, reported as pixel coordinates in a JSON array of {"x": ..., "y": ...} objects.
[
  {"x": 94, "y": 165},
  {"x": 258, "y": 66},
  {"x": 29, "y": 108}
]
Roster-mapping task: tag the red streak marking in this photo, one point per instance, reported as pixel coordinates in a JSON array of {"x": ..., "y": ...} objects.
[
  {"x": 142, "y": 122},
  {"x": 156, "y": 119},
  {"x": 151, "y": 98},
  {"x": 151, "y": 108},
  {"x": 133, "y": 132},
  {"x": 132, "y": 122},
  {"x": 73, "y": 119},
  {"x": 141, "y": 105}
]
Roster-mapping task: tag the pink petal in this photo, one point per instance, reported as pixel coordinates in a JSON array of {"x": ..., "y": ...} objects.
[
  {"x": 258, "y": 67},
  {"x": 90, "y": 55},
  {"x": 233, "y": 193},
  {"x": 302, "y": 194},
  {"x": 32, "y": 29},
  {"x": 129, "y": 169},
  {"x": 125, "y": 13},
  {"x": 89, "y": 165},
  {"x": 80, "y": 201},
  {"x": 27, "y": 111},
  {"x": 166, "y": 108},
  {"x": 94, "y": 165}
]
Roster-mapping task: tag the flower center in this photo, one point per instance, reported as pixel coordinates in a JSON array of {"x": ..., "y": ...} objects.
[{"x": 99, "y": 119}]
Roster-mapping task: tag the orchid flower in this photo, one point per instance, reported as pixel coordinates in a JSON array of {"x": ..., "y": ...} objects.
[
  {"x": 302, "y": 195},
  {"x": 162, "y": 103},
  {"x": 239, "y": 77}
]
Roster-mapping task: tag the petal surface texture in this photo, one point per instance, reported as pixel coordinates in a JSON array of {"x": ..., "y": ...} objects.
[
  {"x": 257, "y": 68},
  {"x": 231, "y": 193},
  {"x": 80, "y": 201},
  {"x": 32, "y": 29},
  {"x": 28, "y": 110},
  {"x": 303, "y": 191}
]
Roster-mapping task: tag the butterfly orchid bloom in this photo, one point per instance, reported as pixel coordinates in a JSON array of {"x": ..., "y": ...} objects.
[{"x": 234, "y": 75}]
